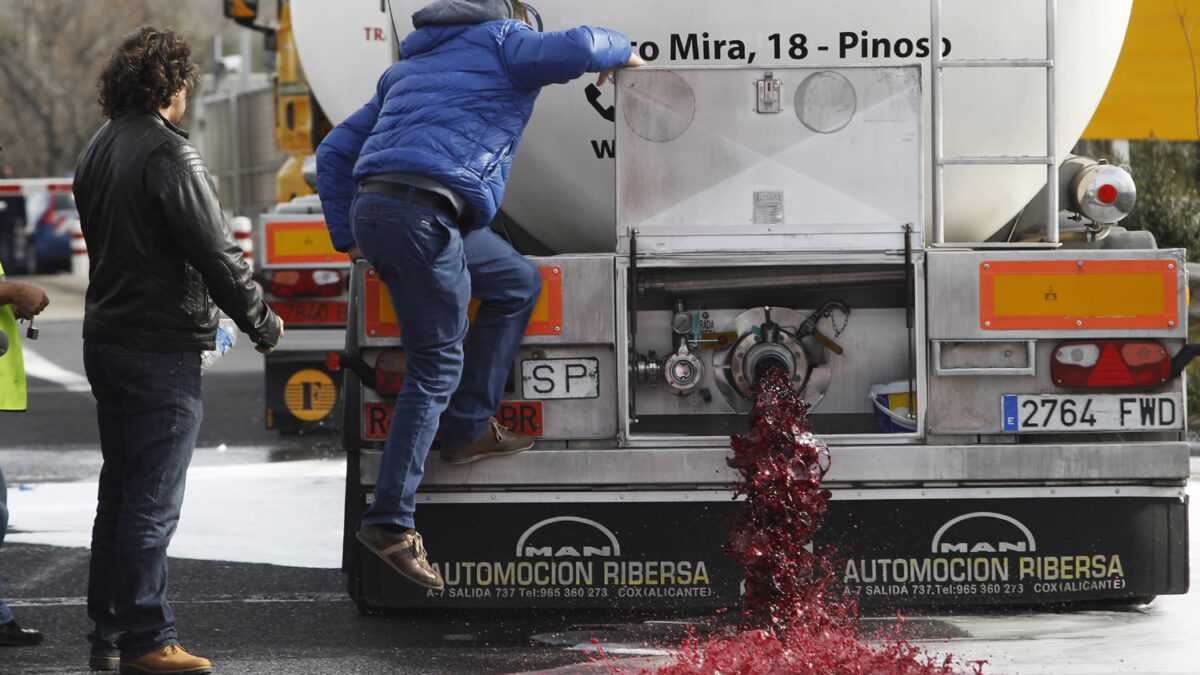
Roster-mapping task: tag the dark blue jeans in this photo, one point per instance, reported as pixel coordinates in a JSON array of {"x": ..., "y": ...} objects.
[
  {"x": 149, "y": 408},
  {"x": 432, "y": 271},
  {"x": 5, "y": 612}
]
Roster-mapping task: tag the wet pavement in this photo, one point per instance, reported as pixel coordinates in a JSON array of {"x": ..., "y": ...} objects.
[
  {"x": 255, "y": 580},
  {"x": 254, "y": 619}
]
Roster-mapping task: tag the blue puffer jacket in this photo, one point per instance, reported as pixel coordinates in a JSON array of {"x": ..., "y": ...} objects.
[{"x": 453, "y": 110}]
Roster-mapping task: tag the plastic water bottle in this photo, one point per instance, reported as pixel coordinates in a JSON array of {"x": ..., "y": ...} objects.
[{"x": 226, "y": 337}]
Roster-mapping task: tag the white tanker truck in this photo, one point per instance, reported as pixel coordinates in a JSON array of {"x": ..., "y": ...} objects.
[{"x": 849, "y": 190}]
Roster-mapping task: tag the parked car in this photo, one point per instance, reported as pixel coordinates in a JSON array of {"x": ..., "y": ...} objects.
[{"x": 55, "y": 219}]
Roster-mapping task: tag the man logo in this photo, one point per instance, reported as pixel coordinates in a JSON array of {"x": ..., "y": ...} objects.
[
  {"x": 562, "y": 536},
  {"x": 983, "y": 532}
]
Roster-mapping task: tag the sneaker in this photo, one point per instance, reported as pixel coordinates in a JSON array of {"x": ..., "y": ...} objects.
[
  {"x": 170, "y": 659},
  {"x": 404, "y": 553},
  {"x": 105, "y": 662},
  {"x": 495, "y": 441},
  {"x": 12, "y": 635}
]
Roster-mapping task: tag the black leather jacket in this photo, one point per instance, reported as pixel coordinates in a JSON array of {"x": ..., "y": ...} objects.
[{"x": 159, "y": 244}]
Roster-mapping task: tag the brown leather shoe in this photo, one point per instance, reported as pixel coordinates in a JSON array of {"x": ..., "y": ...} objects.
[
  {"x": 495, "y": 441},
  {"x": 170, "y": 659},
  {"x": 404, "y": 553}
]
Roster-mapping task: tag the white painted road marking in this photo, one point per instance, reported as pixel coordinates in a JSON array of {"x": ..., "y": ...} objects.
[{"x": 38, "y": 366}]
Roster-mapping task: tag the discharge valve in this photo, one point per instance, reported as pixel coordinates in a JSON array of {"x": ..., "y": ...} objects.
[
  {"x": 683, "y": 370},
  {"x": 784, "y": 338},
  {"x": 768, "y": 345}
]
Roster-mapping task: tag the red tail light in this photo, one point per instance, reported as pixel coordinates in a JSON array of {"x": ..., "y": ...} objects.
[
  {"x": 389, "y": 372},
  {"x": 307, "y": 283},
  {"x": 1110, "y": 363}
]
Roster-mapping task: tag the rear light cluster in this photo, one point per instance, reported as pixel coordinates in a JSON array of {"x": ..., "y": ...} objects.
[
  {"x": 307, "y": 283},
  {"x": 385, "y": 378},
  {"x": 389, "y": 372},
  {"x": 1110, "y": 363}
]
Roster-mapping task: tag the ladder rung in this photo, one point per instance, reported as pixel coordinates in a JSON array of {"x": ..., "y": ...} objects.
[
  {"x": 997, "y": 63},
  {"x": 1000, "y": 160}
]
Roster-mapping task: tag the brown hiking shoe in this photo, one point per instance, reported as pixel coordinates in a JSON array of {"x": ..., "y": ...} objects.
[
  {"x": 170, "y": 659},
  {"x": 495, "y": 441},
  {"x": 404, "y": 553}
]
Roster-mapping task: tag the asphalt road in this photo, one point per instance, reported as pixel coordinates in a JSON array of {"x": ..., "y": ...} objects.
[{"x": 268, "y": 619}]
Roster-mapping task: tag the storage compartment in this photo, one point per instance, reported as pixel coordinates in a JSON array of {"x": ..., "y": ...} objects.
[{"x": 700, "y": 336}]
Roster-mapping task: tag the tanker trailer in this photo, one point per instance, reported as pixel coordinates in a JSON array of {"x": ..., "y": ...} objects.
[
  {"x": 844, "y": 191},
  {"x": 563, "y": 182}
]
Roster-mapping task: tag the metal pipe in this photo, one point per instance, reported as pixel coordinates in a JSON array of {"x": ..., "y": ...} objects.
[
  {"x": 935, "y": 118},
  {"x": 729, "y": 279},
  {"x": 1051, "y": 124}
]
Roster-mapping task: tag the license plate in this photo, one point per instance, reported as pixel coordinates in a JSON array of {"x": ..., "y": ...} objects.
[
  {"x": 310, "y": 312},
  {"x": 1096, "y": 412},
  {"x": 560, "y": 378},
  {"x": 523, "y": 417}
]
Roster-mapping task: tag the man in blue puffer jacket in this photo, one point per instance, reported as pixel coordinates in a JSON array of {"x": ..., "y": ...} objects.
[{"x": 410, "y": 182}]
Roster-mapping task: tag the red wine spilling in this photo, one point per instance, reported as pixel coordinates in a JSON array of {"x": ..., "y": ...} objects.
[{"x": 794, "y": 620}]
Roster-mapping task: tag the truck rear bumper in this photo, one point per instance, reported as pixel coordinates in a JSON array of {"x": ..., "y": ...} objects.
[{"x": 853, "y": 466}]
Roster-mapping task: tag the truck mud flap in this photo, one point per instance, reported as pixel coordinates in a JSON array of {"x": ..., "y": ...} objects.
[
  {"x": 549, "y": 554},
  {"x": 1007, "y": 551}
]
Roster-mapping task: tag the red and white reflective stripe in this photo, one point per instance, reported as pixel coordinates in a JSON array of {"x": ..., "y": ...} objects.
[
  {"x": 80, "y": 263},
  {"x": 26, "y": 186},
  {"x": 242, "y": 230}
]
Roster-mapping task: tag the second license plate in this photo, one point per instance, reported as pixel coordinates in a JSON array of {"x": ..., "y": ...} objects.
[
  {"x": 1096, "y": 412},
  {"x": 560, "y": 378},
  {"x": 309, "y": 312}
]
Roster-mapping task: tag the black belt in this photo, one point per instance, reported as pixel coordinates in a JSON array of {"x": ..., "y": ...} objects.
[{"x": 409, "y": 193}]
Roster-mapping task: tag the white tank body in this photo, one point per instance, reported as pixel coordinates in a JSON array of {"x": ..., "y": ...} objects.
[{"x": 562, "y": 185}]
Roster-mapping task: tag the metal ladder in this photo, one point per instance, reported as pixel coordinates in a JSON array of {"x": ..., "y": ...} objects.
[{"x": 940, "y": 161}]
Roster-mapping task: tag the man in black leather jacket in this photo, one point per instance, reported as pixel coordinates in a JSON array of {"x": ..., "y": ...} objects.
[{"x": 163, "y": 260}]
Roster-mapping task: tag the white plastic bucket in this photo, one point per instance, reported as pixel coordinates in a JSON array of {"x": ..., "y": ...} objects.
[{"x": 893, "y": 407}]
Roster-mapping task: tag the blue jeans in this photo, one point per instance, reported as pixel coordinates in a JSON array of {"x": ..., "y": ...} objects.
[
  {"x": 431, "y": 271},
  {"x": 149, "y": 409},
  {"x": 5, "y": 612}
]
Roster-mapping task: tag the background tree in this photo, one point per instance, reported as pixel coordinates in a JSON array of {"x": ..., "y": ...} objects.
[
  {"x": 50, "y": 54},
  {"x": 1165, "y": 173}
]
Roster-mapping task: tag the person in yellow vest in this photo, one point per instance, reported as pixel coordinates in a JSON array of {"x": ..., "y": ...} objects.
[{"x": 18, "y": 300}]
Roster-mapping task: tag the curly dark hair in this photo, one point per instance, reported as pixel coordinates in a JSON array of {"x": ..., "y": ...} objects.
[{"x": 145, "y": 71}]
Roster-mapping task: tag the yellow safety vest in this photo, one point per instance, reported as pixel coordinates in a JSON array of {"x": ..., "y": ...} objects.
[{"x": 12, "y": 366}]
